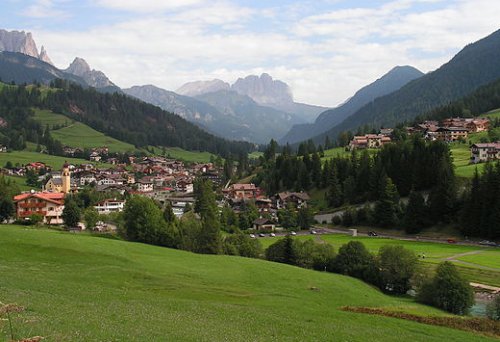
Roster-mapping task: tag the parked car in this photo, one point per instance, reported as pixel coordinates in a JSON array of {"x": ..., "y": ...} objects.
[
  {"x": 451, "y": 241},
  {"x": 487, "y": 243},
  {"x": 272, "y": 235},
  {"x": 372, "y": 233},
  {"x": 293, "y": 233},
  {"x": 252, "y": 236},
  {"x": 262, "y": 235},
  {"x": 313, "y": 232}
]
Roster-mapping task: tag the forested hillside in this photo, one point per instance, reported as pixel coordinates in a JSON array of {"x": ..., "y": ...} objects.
[
  {"x": 116, "y": 115},
  {"x": 476, "y": 65}
]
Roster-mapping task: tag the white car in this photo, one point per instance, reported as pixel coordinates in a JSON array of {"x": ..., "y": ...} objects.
[
  {"x": 252, "y": 236},
  {"x": 272, "y": 235},
  {"x": 293, "y": 233}
]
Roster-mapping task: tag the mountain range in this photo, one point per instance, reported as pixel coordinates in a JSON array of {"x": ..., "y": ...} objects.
[
  {"x": 390, "y": 82},
  {"x": 255, "y": 108}
]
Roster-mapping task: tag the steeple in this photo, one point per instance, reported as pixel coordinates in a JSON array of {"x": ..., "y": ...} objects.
[{"x": 66, "y": 178}]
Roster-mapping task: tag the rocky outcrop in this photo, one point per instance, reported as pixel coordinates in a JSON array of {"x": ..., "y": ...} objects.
[
  {"x": 94, "y": 78},
  {"x": 202, "y": 87},
  {"x": 22, "y": 42},
  {"x": 264, "y": 90}
]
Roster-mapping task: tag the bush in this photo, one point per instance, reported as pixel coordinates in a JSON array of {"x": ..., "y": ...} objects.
[
  {"x": 242, "y": 245},
  {"x": 354, "y": 260},
  {"x": 397, "y": 266},
  {"x": 283, "y": 251},
  {"x": 448, "y": 290}
]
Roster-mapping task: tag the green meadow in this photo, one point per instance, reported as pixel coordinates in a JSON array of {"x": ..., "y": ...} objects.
[
  {"x": 481, "y": 268},
  {"x": 181, "y": 154},
  {"x": 25, "y": 157},
  {"x": 77, "y": 287},
  {"x": 77, "y": 134}
]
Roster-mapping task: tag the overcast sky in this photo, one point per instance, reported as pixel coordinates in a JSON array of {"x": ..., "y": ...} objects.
[{"x": 324, "y": 49}]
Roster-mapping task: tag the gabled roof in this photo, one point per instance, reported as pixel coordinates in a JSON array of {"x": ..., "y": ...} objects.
[{"x": 53, "y": 197}]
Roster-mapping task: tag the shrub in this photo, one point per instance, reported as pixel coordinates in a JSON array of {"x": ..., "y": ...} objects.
[
  {"x": 448, "y": 290},
  {"x": 354, "y": 260},
  {"x": 397, "y": 266}
]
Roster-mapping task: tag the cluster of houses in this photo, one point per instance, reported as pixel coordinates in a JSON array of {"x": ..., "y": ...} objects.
[
  {"x": 451, "y": 129},
  {"x": 160, "y": 178},
  {"x": 484, "y": 152},
  {"x": 237, "y": 195},
  {"x": 370, "y": 141}
]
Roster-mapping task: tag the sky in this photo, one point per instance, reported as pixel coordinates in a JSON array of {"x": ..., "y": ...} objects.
[{"x": 324, "y": 49}]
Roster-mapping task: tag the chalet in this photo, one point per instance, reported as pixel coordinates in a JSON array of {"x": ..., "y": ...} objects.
[
  {"x": 212, "y": 176},
  {"x": 451, "y": 134},
  {"x": 49, "y": 205},
  {"x": 3, "y": 149},
  {"x": 386, "y": 132},
  {"x": 485, "y": 152},
  {"x": 95, "y": 157},
  {"x": 87, "y": 178},
  {"x": 184, "y": 185},
  {"x": 108, "y": 206},
  {"x": 241, "y": 191},
  {"x": 144, "y": 185},
  {"x": 263, "y": 224},
  {"x": 472, "y": 124},
  {"x": 298, "y": 199},
  {"x": 369, "y": 141},
  {"x": 36, "y": 166}
]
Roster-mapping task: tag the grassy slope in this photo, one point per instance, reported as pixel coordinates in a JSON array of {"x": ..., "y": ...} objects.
[
  {"x": 189, "y": 156},
  {"x": 25, "y": 157},
  {"x": 47, "y": 117},
  {"x": 20, "y": 181},
  {"x": 79, "y": 287},
  {"x": 434, "y": 253},
  {"x": 77, "y": 134}
]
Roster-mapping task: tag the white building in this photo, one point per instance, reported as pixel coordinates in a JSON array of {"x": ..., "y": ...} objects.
[{"x": 110, "y": 206}]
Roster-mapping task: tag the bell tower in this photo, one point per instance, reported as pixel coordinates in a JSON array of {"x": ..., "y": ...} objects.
[{"x": 65, "y": 178}]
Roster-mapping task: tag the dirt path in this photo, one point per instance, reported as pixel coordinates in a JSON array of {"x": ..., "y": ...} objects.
[{"x": 454, "y": 259}]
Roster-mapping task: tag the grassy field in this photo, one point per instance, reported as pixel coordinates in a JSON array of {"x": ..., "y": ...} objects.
[
  {"x": 25, "y": 157},
  {"x": 47, "y": 117},
  {"x": 20, "y": 181},
  {"x": 83, "y": 136},
  {"x": 181, "y": 154},
  {"x": 255, "y": 155},
  {"x": 83, "y": 288},
  {"x": 77, "y": 134},
  {"x": 434, "y": 254},
  {"x": 461, "y": 158}
]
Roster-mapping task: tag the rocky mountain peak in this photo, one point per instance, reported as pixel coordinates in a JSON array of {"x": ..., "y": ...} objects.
[
  {"x": 78, "y": 67},
  {"x": 44, "y": 56},
  {"x": 264, "y": 90},
  {"x": 197, "y": 88},
  {"x": 21, "y": 42}
]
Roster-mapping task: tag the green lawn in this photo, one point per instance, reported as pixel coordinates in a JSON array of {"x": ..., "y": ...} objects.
[
  {"x": 25, "y": 157},
  {"x": 255, "y": 155},
  {"x": 76, "y": 287},
  {"x": 434, "y": 253},
  {"x": 47, "y": 117}
]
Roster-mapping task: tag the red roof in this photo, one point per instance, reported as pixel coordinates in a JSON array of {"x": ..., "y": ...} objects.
[{"x": 54, "y": 197}]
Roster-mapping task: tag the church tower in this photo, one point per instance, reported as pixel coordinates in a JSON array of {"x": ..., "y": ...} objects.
[{"x": 66, "y": 179}]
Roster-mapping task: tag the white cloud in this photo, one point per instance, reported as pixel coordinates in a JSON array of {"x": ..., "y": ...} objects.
[
  {"x": 325, "y": 57},
  {"x": 44, "y": 9}
]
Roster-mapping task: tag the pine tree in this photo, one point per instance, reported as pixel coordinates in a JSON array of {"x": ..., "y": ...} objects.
[
  {"x": 443, "y": 196},
  {"x": 416, "y": 213},
  {"x": 386, "y": 208}
]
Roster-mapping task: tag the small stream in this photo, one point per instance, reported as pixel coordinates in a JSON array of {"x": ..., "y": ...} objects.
[{"x": 482, "y": 299}]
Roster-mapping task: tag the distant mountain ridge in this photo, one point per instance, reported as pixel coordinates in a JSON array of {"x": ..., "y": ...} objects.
[
  {"x": 391, "y": 81},
  {"x": 475, "y": 65},
  {"x": 263, "y": 89},
  {"x": 224, "y": 112}
]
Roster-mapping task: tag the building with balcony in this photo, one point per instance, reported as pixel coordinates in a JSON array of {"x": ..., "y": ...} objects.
[{"x": 46, "y": 204}]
